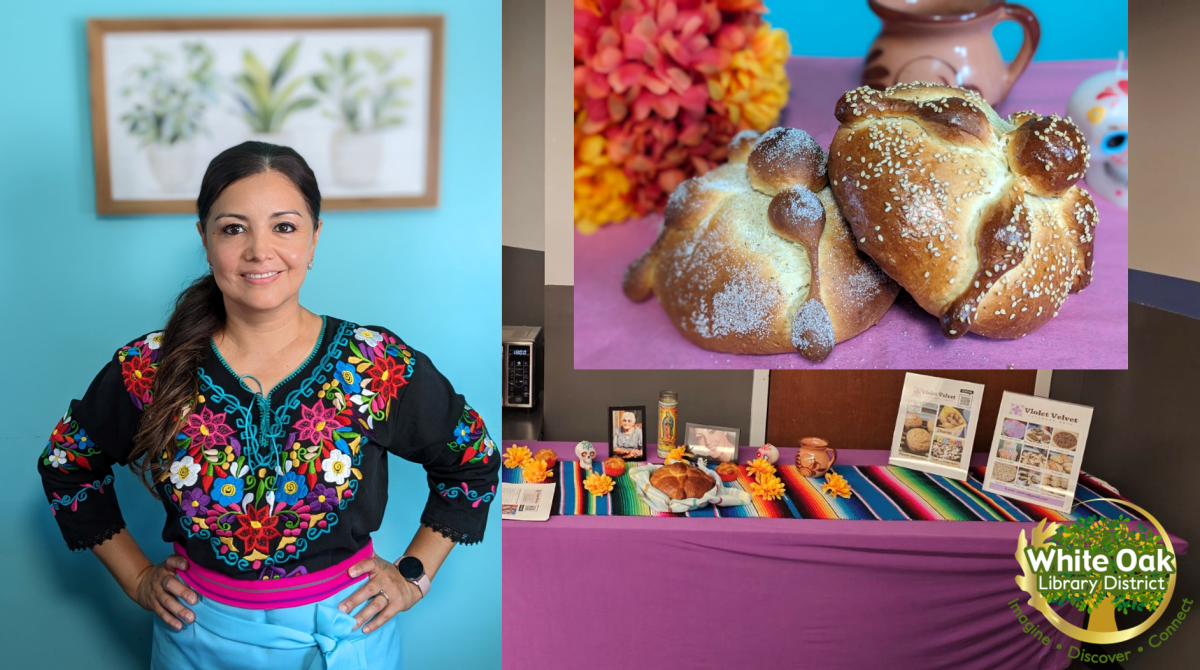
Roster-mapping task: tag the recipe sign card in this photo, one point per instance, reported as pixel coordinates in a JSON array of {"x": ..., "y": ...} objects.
[
  {"x": 936, "y": 425},
  {"x": 1037, "y": 450}
]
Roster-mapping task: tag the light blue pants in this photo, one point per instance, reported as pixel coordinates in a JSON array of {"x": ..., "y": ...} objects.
[{"x": 316, "y": 636}]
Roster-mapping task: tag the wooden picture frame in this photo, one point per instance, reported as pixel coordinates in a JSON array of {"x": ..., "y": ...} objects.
[
  {"x": 614, "y": 426},
  {"x": 360, "y": 151}
]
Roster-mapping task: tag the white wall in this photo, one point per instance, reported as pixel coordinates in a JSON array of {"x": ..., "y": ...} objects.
[
  {"x": 560, "y": 162},
  {"x": 524, "y": 128}
]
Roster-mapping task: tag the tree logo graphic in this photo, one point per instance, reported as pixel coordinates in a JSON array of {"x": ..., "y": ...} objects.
[{"x": 1099, "y": 566}]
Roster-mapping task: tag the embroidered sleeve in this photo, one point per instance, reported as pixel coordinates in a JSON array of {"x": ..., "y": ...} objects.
[
  {"x": 76, "y": 465},
  {"x": 423, "y": 420}
]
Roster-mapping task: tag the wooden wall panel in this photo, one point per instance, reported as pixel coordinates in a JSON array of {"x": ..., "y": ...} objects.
[{"x": 856, "y": 409}]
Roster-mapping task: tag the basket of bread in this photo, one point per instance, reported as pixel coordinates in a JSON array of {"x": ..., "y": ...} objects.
[{"x": 681, "y": 487}]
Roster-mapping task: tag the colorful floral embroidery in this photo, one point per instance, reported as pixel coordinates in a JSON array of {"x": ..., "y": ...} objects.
[
  {"x": 80, "y": 496},
  {"x": 471, "y": 438},
  {"x": 257, "y": 528},
  {"x": 454, "y": 491},
  {"x": 261, "y": 510},
  {"x": 139, "y": 362},
  {"x": 208, "y": 430},
  {"x": 69, "y": 447},
  {"x": 262, "y": 480}
]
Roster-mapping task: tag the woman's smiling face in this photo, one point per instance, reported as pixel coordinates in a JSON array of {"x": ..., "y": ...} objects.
[{"x": 260, "y": 237}]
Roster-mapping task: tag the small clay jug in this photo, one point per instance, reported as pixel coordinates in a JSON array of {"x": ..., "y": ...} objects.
[
  {"x": 815, "y": 457},
  {"x": 948, "y": 42}
]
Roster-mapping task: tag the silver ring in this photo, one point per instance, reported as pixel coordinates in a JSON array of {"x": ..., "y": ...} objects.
[{"x": 381, "y": 593}]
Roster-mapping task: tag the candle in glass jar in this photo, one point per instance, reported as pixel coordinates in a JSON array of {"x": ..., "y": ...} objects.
[{"x": 668, "y": 419}]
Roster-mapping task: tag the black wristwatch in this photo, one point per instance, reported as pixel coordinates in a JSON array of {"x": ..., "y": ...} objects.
[{"x": 413, "y": 570}]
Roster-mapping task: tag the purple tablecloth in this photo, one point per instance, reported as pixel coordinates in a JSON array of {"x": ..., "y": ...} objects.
[
  {"x": 1090, "y": 332},
  {"x": 651, "y": 592}
]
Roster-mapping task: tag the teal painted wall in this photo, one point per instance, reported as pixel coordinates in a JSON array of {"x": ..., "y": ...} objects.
[
  {"x": 1071, "y": 29},
  {"x": 75, "y": 286}
]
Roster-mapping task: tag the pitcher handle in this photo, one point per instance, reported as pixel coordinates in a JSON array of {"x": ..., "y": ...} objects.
[
  {"x": 1033, "y": 34},
  {"x": 832, "y": 454}
]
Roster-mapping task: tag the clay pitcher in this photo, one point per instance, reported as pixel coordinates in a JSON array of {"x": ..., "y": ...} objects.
[
  {"x": 815, "y": 457},
  {"x": 948, "y": 42}
]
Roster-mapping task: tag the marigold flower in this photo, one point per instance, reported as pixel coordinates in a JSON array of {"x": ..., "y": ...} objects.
[
  {"x": 767, "y": 487},
  {"x": 660, "y": 89},
  {"x": 760, "y": 467},
  {"x": 535, "y": 471},
  {"x": 516, "y": 456},
  {"x": 598, "y": 484},
  {"x": 837, "y": 485},
  {"x": 675, "y": 454}
]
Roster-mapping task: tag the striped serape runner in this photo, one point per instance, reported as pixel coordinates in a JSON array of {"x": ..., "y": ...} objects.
[{"x": 880, "y": 492}]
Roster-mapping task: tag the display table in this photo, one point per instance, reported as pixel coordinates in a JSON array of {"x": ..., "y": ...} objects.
[
  {"x": 585, "y": 591},
  {"x": 611, "y": 332}
]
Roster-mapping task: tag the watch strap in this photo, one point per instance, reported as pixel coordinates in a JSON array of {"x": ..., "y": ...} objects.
[{"x": 422, "y": 582}]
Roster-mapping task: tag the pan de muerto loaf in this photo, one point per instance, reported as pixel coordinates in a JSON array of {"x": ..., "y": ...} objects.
[
  {"x": 755, "y": 258},
  {"x": 681, "y": 481},
  {"x": 974, "y": 215}
]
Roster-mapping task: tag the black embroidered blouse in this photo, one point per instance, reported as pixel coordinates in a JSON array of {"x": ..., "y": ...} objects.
[{"x": 266, "y": 486}]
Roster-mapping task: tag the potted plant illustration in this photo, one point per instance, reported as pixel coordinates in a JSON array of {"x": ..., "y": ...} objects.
[
  {"x": 168, "y": 110},
  {"x": 266, "y": 101},
  {"x": 366, "y": 102}
]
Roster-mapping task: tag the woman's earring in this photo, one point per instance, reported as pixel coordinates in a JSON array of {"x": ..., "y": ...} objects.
[
  {"x": 310, "y": 264},
  {"x": 210, "y": 267}
]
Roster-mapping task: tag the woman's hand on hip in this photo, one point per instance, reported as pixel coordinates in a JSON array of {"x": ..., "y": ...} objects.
[
  {"x": 402, "y": 593},
  {"x": 156, "y": 590}
]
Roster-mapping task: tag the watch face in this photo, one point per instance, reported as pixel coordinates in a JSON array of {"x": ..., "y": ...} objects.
[{"x": 411, "y": 568}]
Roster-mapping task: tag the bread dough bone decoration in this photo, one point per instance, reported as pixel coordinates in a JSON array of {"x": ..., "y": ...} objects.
[
  {"x": 755, "y": 258},
  {"x": 976, "y": 216}
]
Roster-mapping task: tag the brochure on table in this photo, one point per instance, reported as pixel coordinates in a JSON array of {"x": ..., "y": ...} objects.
[
  {"x": 1037, "y": 450},
  {"x": 526, "y": 502},
  {"x": 936, "y": 425}
]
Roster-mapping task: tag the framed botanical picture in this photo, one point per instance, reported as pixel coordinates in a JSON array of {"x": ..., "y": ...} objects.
[
  {"x": 626, "y": 433},
  {"x": 358, "y": 97},
  {"x": 713, "y": 442}
]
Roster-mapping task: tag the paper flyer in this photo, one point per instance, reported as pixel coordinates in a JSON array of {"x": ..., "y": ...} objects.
[
  {"x": 526, "y": 502},
  {"x": 935, "y": 427},
  {"x": 1037, "y": 450}
]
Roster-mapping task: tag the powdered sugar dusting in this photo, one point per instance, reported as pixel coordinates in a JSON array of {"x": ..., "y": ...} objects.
[
  {"x": 811, "y": 329},
  {"x": 862, "y": 286},
  {"x": 745, "y": 306},
  {"x": 789, "y": 144},
  {"x": 804, "y": 206}
]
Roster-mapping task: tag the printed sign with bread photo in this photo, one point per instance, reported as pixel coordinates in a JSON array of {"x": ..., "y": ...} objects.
[
  {"x": 1036, "y": 450},
  {"x": 935, "y": 428}
]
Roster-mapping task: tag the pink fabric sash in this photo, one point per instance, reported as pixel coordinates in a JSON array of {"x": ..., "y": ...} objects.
[{"x": 272, "y": 593}]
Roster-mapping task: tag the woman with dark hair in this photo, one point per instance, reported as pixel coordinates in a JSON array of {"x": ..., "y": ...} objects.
[{"x": 264, "y": 429}]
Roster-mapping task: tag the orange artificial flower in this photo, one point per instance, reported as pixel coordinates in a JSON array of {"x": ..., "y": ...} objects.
[
  {"x": 767, "y": 487},
  {"x": 535, "y": 471},
  {"x": 837, "y": 485},
  {"x": 598, "y": 484},
  {"x": 759, "y": 468},
  {"x": 676, "y": 454},
  {"x": 516, "y": 456}
]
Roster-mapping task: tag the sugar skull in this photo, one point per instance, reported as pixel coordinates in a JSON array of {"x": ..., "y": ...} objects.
[
  {"x": 769, "y": 452},
  {"x": 1100, "y": 107},
  {"x": 585, "y": 452}
]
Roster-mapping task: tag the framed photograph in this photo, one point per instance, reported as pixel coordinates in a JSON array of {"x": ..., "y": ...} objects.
[
  {"x": 713, "y": 442},
  {"x": 359, "y": 97},
  {"x": 626, "y": 432}
]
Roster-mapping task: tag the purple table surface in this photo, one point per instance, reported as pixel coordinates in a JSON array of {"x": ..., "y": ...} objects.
[
  {"x": 611, "y": 332},
  {"x": 769, "y": 593}
]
